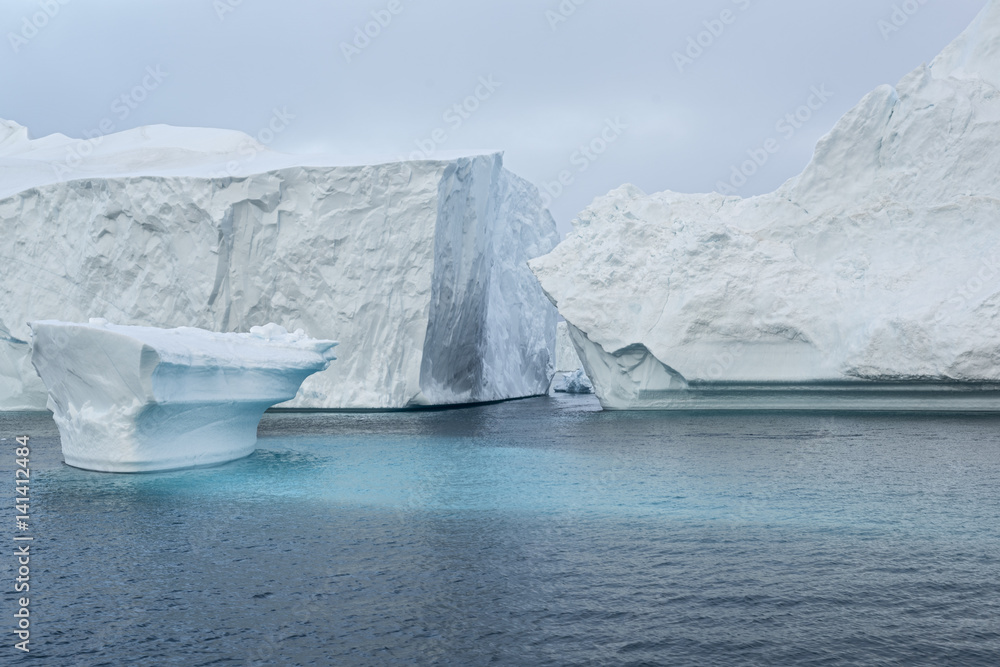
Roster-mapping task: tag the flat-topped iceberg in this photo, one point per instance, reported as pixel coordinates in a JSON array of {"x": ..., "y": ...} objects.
[
  {"x": 139, "y": 399},
  {"x": 870, "y": 281},
  {"x": 418, "y": 268}
]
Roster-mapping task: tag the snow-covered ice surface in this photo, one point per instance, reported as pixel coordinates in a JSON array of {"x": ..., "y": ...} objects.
[
  {"x": 138, "y": 399},
  {"x": 870, "y": 281},
  {"x": 417, "y": 268}
]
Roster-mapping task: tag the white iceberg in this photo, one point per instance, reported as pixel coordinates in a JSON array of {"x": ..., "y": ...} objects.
[
  {"x": 870, "y": 281},
  {"x": 418, "y": 268},
  {"x": 139, "y": 399}
]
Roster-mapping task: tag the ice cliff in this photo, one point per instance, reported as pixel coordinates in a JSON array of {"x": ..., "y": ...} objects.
[
  {"x": 138, "y": 399},
  {"x": 418, "y": 268},
  {"x": 570, "y": 377},
  {"x": 567, "y": 360},
  {"x": 870, "y": 281}
]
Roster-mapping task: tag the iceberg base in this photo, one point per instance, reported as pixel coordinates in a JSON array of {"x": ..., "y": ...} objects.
[
  {"x": 819, "y": 397},
  {"x": 160, "y": 437},
  {"x": 634, "y": 379}
]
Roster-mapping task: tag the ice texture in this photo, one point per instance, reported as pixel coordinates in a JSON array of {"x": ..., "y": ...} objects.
[
  {"x": 567, "y": 360},
  {"x": 570, "y": 376},
  {"x": 418, "y": 268},
  {"x": 139, "y": 399},
  {"x": 870, "y": 281},
  {"x": 576, "y": 382}
]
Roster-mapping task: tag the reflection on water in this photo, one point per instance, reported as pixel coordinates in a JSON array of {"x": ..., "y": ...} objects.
[{"x": 540, "y": 532}]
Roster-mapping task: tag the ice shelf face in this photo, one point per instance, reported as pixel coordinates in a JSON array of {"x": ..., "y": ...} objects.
[
  {"x": 567, "y": 360},
  {"x": 139, "y": 399},
  {"x": 870, "y": 281},
  {"x": 570, "y": 377},
  {"x": 418, "y": 268}
]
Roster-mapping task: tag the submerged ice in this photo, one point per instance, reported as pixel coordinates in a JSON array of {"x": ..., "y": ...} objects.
[
  {"x": 138, "y": 399},
  {"x": 875, "y": 270}
]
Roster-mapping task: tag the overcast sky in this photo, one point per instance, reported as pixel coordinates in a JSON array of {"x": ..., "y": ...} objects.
[{"x": 538, "y": 79}]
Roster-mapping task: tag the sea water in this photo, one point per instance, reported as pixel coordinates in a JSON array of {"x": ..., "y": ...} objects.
[{"x": 536, "y": 532}]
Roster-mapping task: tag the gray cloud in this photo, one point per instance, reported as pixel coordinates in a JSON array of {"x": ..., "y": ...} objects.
[{"x": 229, "y": 64}]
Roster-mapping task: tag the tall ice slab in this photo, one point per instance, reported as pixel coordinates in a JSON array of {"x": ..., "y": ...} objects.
[{"x": 417, "y": 268}]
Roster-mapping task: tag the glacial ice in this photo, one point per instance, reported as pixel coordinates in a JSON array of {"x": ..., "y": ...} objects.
[
  {"x": 570, "y": 376},
  {"x": 139, "y": 399},
  {"x": 567, "y": 360},
  {"x": 868, "y": 282},
  {"x": 576, "y": 382},
  {"x": 418, "y": 268}
]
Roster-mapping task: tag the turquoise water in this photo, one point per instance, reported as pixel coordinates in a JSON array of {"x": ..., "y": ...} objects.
[{"x": 538, "y": 532}]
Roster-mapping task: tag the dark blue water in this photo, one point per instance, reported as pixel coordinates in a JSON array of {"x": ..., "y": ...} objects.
[{"x": 539, "y": 532}]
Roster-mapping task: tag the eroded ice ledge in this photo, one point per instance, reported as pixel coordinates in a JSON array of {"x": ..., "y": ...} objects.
[{"x": 140, "y": 399}]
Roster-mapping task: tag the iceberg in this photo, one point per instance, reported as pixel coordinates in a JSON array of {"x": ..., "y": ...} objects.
[
  {"x": 418, "y": 268},
  {"x": 871, "y": 281},
  {"x": 141, "y": 399}
]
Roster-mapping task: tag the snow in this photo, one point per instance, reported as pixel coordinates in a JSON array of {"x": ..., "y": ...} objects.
[
  {"x": 418, "y": 268},
  {"x": 870, "y": 281},
  {"x": 140, "y": 399}
]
